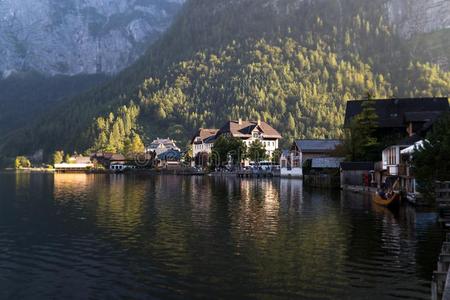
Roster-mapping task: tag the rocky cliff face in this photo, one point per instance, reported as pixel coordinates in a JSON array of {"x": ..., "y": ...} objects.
[
  {"x": 419, "y": 16},
  {"x": 79, "y": 36}
]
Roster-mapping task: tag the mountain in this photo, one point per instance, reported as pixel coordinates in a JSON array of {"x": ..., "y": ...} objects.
[
  {"x": 52, "y": 50},
  {"x": 70, "y": 37},
  {"x": 293, "y": 63}
]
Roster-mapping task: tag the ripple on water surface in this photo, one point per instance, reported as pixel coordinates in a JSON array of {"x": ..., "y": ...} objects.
[{"x": 101, "y": 237}]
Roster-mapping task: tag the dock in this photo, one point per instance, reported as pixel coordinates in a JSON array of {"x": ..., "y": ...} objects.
[
  {"x": 255, "y": 174},
  {"x": 440, "y": 286}
]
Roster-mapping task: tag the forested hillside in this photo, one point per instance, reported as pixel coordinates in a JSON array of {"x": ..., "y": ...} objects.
[
  {"x": 25, "y": 96},
  {"x": 292, "y": 63}
]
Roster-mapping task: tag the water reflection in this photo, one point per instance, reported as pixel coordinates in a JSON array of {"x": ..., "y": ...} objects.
[{"x": 115, "y": 236}]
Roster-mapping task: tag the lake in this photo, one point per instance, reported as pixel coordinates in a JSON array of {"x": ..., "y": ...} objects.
[{"x": 77, "y": 236}]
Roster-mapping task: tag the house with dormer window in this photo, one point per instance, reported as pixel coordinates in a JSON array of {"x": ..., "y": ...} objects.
[
  {"x": 247, "y": 131},
  {"x": 250, "y": 131}
]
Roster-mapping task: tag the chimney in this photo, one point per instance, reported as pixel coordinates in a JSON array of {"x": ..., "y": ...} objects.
[
  {"x": 240, "y": 121},
  {"x": 259, "y": 122}
]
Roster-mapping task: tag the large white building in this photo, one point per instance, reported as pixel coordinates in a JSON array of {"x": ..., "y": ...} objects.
[
  {"x": 250, "y": 131},
  {"x": 247, "y": 131}
]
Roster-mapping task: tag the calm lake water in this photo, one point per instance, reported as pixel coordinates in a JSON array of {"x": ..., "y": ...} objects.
[{"x": 131, "y": 237}]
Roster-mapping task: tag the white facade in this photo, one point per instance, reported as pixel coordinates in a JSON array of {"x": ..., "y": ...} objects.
[
  {"x": 200, "y": 146},
  {"x": 291, "y": 164},
  {"x": 392, "y": 158},
  {"x": 269, "y": 144}
]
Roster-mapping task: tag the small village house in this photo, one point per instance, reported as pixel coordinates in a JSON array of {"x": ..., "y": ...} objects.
[
  {"x": 171, "y": 159},
  {"x": 291, "y": 164},
  {"x": 323, "y": 172},
  {"x": 118, "y": 162},
  {"x": 160, "y": 146},
  {"x": 357, "y": 176},
  {"x": 203, "y": 141},
  {"x": 310, "y": 149}
]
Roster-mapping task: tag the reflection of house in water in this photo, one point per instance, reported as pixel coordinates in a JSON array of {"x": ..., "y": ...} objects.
[
  {"x": 258, "y": 203},
  {"x": 291, "y": 194},
  {"x": 75, "y": 184}
]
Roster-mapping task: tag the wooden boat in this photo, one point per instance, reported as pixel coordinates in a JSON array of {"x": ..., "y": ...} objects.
[{"x": 393, "y": 201}]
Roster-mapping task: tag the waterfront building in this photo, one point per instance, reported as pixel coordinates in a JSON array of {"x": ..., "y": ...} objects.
[
  {"x": 75, "y": 163},
  {"x": 250, "y": 131},
  {"x": 203, "y": 141},
  {"x": 170, "y": 159},
  {"x": 310, "y": 149},
  {"x": 401, "y": 116},
  {"x": 357, "y": 176},
  {"x": 408, "y": 180},
  {"x": 106, "y": 159},
  {"x": 291, "y": 164},
  {"x": 247, "y": 131}
]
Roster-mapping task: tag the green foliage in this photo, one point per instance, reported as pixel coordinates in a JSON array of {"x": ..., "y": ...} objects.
[
  {"x": 22, "y": 162},
  {"x": 431, "y": 162},
  {"x": 226, "y": 147},
  {"x": 135, "y": 145},
  {"x": 256, "y": 151},
  {"x": 25, "y": 96},
  {"x": 276, "y": 155},
  {"x": 360, "y": 142},
  {"x": 117, "y": 132},
  {"x": 57, "y": 157}
]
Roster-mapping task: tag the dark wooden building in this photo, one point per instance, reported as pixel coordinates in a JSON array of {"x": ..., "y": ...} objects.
[{"x": 407, "y": 116}]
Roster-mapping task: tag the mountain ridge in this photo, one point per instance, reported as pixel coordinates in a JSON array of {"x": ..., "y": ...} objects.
[{"x": 245, "y": 60}]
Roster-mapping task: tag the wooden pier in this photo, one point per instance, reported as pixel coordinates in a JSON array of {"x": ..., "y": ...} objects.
[
  {"x": 440, "y": 286},
  {"x": 254, "y": 174}
]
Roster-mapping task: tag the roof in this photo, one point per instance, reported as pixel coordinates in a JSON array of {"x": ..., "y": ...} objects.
[
  {"x": 108, "y": 156},
  {"x": 317, "y": 146},
  {"x": 395, "y": 113},
  {"x": 410, "y": 140},
  {"x": 170, "y": 155},
  {"x": 357, "y": 166},
  {"x": 244, "y": 129},
  {"x": 205, "y": 135},
  {"x": 165, "y": 142},
  {"x": 326, "y": 162},
  {"x": 412, "y": 148},
  {"x": 73, "y": 166},
  {"x": 82, "y": 160},
  {"x": 117, "y": 157},
  {"x": 285, "y": 153}
]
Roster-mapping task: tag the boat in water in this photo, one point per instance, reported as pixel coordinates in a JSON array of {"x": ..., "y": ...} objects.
[{"x": 393, "y": 201}]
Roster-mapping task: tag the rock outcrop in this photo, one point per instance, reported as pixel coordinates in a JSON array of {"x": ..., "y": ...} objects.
[{"x": 79, "y": 36}]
